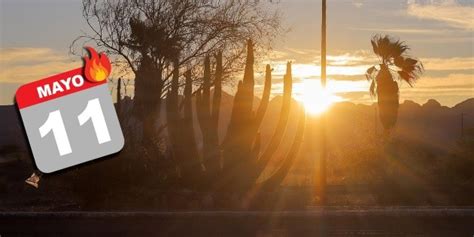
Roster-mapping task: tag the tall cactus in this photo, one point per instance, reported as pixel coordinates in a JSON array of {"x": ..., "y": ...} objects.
[
  {"x": 192, "y": 166},
  {"x": 243, "y": 160},
  {"x": 173, "y": 117},
  {"x": 208, "y": 116},
  {"x": 241, "y": 133},
  {"x": 282, "y": 122},
  {"x": 242, "y": 143},
  {"x": 181, "y": 129}
]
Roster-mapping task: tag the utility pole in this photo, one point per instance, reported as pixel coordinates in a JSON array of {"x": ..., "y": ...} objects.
[
  {"x": 119, "y": 96},
  {"x": 323, "y": 145}
]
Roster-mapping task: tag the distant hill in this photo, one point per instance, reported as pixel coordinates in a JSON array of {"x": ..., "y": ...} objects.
[
  {"x": 11, "y": 128},
  {"x": 349, "y": 125},
  {"x": 12, "y": 138}
]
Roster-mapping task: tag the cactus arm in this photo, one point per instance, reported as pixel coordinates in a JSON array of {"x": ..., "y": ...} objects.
[
  {"x": 203, "y": 98},
  {"x": 206, "y": 87},
  {"x": 276, "y": 178},
  {"x": 188, "y": 93},
  {"x": 213, "y": 156},
  {"x": 265, "y": 96},
  {"x": 193, "y": 159},
  {"x": 205, "y": 112},
  {"x": 247, "y": 88},
  {"x": 216, "y": 100},
  {"x": 240, "y": 130},
  {"x": 233, "y": 137},
  {"x": 199, "y": 108},
  {"x": 260, "y": 163},
  {"x": 256, "y": 146},
  {"x": 281, "y": 125},
  {"x": 172, "y": 112},
  {"x": 241, "y": 115},
  {"x": 248, "y": 73},
  {"x": 172, "y": 115}
]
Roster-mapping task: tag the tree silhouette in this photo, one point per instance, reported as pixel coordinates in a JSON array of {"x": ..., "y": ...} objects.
[
  {"x": 145, "y": 37},
  {"x": 394, "y": 64}
]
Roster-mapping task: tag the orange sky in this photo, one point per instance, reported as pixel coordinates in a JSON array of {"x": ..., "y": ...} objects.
[{"x": 440, "y": 33}]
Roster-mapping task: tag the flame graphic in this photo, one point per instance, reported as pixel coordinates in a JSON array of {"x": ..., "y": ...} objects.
[{"x": 97, "y": 68}]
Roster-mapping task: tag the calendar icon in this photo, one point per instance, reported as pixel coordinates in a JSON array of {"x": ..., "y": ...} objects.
[{"x": 70, "y": 118}]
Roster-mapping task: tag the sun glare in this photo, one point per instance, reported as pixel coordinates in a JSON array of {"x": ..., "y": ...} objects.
[{"x": 315, "y": 99}]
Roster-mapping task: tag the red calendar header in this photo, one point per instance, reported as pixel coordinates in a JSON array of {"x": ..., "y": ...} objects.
[
  {"x": 54, "y": 87},
  {"x": 96, "y": 69}
]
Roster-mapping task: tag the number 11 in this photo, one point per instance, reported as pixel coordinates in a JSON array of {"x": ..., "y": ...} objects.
[{"x": 93, "y": 112}]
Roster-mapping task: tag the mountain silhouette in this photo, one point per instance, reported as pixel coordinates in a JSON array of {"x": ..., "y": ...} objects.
[{"x": 350, "y": 125}]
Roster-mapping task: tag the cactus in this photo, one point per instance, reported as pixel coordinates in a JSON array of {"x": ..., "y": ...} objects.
[
  {"x": 209, "y": 117},
  {"x": 173, "y": 117},
  {"x": 242, "y": 158},
  {"x": 242, "y": 130},
  {"x": 279, "y": 175},
  {"x": 282, "y": 122},
  {"x": 192, "y": 166},
  {"x": 147, "y": 105},
  {"x": 246, "y": 160},
  {"x": 181, "y": 129}
]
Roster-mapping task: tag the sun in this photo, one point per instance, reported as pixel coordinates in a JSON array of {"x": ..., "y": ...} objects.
[{"x": 315, "y": 99}]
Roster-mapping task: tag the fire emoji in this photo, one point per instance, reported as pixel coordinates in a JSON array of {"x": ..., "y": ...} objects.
[{"x": 97, "y": 68}]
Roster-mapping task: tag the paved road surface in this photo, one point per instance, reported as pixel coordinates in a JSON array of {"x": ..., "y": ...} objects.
[{"x": 314, "y": 222}]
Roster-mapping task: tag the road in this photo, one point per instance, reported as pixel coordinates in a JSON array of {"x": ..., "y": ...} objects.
[{"x": 313, "y": 222}]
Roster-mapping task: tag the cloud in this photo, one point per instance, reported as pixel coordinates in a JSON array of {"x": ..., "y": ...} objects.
[
  {"x": 446, "y": 64},
  {"x": 458, "y": 80},
  {"x": 352, "y": 65},
  {"x": 357, "y": 58},
  {"x": 434, "y": 35},
  {"x": 444, "y": 40},
  {"x": 22, "y": 65},
  {"x": 358, "y": 3},
  {"x": 15, "y": 55},
  {"x": 449, "y": 12},
  {"x": 301, "y": 70},
  {"x": 301, "y": 55},
  {"x": 401, "y": 30}
]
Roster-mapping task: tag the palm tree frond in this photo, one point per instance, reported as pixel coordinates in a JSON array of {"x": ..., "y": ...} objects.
[
  {"x": 408, "y": 68},
  {"x": 406, "y": 77},
  {"x": 398, "y": 48},
  {"x": 411, "y": 61},
  {"x": 412, "y": 70},
  {"x": 388, "y": 48},
  {"x": 369, "y": 73},
  {"x": 372, "y": 89},
  {"x": 399, "y": 61},
  {"x": 374, "y": 46},
  {"x": 384, "y": 47}
]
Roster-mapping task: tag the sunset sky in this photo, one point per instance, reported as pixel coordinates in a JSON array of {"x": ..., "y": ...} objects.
[{"x": 35, "y": 38}]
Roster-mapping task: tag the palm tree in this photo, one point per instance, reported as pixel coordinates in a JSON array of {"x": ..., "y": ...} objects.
[{"x": 395, "y": 65}]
